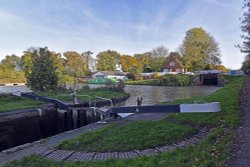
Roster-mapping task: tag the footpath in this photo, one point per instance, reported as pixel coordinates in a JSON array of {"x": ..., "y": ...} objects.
[{"x": 242, "y": 152}]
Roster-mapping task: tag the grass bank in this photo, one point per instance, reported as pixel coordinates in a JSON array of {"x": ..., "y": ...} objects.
[
  {"x": 213, "y": 151},
  {"x": 9, "y": 102},
  {"x": 135, "y": 135}
]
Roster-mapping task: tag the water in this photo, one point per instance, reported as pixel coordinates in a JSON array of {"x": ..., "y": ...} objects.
[
  {"x": 157, "y": 94},
  {"x": 150, "y": 94},
  {"x": 12, "y": 89}
]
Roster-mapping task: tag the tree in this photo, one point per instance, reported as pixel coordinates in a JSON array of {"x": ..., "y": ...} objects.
[
  {"x": 75, "y": 65},
  {"x": 144, "y": 58},
  {"x": 107, "y": 60},
  {"x": 59, "y": 63},
  {"x": 11, "y": 62},
  {"x": 27, "y": 62},
  {"x": 199, "y": 50},
  {"x": 245, "y": 28},
  {"x": 246, "y": 64},
  {"x": 88, "y": 61},
  {"x": 10, "y": 68},
  {"x": 157, "y": 58},
  {"x": 43, "y": 72},
  {"x": 221, "y": 67},
  {"x": 131, "y": 64}
]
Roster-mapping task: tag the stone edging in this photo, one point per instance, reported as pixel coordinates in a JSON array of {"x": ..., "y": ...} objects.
[{"x": 60, "y": 155}]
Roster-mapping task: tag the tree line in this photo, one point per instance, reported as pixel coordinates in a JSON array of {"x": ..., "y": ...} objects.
[{"x": 198, "y": 51}]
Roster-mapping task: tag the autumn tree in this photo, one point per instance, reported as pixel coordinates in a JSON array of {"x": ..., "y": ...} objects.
[
  {"x": 107, "y": 60},
  {"x": 131, "y": 64},
  {"x": 200, "y": 50},
  {"x": 74, "y": 64},
  {"x": 144, "y": 58},
  {"x": 43, "y": 75}
]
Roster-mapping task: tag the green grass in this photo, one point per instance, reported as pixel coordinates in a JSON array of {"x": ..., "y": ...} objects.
[
  {"x": 228, "y": 96},
  {"x": 210, "y": 152},
  {"x": 10, "y": 103},
  {"x": 152, "y": 82},
  {"x": 213, "y": 151},
  {"x": 135, "y": 135}
]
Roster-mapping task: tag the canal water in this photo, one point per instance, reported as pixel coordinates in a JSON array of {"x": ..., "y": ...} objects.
[{"x": 150, "y": 94}]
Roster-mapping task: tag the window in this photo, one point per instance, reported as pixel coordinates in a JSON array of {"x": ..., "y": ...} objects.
[{"x": 172, "y": 64}]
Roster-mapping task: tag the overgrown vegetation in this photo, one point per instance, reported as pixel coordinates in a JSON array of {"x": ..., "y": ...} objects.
[
  {"x": 167, "y": 80},
  {"x": 213, "y": 151}
]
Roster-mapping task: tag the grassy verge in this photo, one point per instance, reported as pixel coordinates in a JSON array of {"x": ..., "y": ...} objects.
[
  {"x": 9, "y": 102},
  {"x": 136, "y": 135},
  {"x": 213, "y": 151},
  {"x": 152, "y": 82}
]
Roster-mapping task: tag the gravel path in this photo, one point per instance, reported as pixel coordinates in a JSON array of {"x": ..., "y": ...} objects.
[{"x": 242, "y": 154}]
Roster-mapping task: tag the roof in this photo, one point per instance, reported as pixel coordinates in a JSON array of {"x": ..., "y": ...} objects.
[
  {"x": 114, "y": 73},
  {"x": 177, "y": 64}
]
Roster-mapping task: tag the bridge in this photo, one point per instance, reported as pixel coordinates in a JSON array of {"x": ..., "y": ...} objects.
[{"x": 209, "y": 77}]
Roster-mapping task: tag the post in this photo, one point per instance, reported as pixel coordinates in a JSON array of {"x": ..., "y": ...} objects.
[
  {"x": 139, "y": 101},
  {"x": 75, "y": 101}
]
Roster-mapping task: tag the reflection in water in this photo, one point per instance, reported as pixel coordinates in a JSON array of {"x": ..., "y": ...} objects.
[
  {"x": 12, "y": 89},
  {"x": 157, "y": 94},
  {"x": 150, "y": 94}
]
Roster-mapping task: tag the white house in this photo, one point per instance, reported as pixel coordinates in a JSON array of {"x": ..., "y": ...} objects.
[{"x": 110, "y": 74}]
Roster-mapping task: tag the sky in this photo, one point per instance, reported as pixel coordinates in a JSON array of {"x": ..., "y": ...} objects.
[{"x": 126, "y": 26}]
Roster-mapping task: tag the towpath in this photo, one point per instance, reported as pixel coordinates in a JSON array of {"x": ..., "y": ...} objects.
[{"x": 242, "y": 152}]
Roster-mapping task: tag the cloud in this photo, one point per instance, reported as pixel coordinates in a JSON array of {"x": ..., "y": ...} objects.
[{"x": 128, "y": 27}]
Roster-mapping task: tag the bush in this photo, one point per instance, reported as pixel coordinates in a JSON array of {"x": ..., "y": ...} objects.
[{"x": 175, "y": 80}]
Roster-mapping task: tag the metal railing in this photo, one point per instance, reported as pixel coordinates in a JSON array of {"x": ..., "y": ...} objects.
[{"x": 110, "y": 100}]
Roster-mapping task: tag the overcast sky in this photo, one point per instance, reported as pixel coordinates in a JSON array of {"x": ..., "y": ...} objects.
[{"x": 126, "y": 26}]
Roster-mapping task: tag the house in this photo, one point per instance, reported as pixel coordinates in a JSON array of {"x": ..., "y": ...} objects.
[
  {"x": 173, "y": 64},
  {"x": 111, "y": 75}
]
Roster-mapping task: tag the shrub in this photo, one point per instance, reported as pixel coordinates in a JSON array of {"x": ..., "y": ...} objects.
[{"x": 175, "y": 80}]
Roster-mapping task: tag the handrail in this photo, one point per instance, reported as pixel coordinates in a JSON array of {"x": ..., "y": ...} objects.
[
  {"x": 77, "y": 96},
  {"x": 110, "y": 100}
]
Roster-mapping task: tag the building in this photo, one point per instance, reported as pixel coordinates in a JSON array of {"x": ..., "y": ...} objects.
[
  {"x": 172, "y": 64},
  {"x": 111, "y": 75}
]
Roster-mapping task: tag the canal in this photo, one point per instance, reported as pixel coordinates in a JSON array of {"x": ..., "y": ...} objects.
[
  {"x": 28, "y": 127},
  {"x": 150, "y": 94}
]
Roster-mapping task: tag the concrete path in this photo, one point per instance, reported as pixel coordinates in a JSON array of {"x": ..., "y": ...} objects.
[{"x": 242, "y": 154}]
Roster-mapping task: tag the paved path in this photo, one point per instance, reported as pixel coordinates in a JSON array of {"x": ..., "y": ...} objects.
[
  {"x": 242, "y": 155},
  {"x": 62, "y": 155}
]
